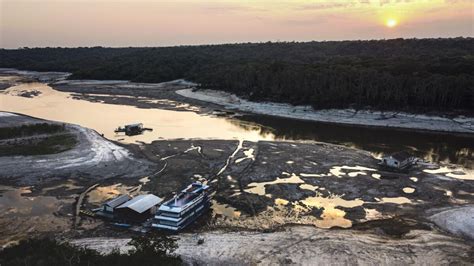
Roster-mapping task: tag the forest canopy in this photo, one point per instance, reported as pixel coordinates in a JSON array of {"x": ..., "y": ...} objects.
[{"x": 399, "y": 74}]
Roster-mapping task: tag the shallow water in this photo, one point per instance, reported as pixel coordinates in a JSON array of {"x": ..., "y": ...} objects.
[
  {"x": 224, "y": 210},
  {"x": 465, "y": 174},
  {"x": 15, "y": 202},
  {"x": 431, "y": 146},
  {"x": 105, "y": 118}
]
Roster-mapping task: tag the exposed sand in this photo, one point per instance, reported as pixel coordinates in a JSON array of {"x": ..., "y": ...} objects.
[
  {"x": 305, "y": 245},
  {"x": 457, "y": 221},
  {"x": 341, "y": 116}
]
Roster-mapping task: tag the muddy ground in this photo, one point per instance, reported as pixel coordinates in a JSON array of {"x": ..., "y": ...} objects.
[
  {"x": 302, "y": 182},
  {"x": 267, "y": 185},
  {"x": 142, "y": 95}
]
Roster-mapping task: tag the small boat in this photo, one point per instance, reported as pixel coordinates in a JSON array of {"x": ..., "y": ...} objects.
[{"x": 183, "y": 209}]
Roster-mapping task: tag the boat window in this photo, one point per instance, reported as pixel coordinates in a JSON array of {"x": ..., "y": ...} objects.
[{"x": 169, "y": 214}]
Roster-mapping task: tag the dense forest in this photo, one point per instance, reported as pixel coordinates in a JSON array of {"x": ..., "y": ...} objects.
[{"x": 399, "y": 74}]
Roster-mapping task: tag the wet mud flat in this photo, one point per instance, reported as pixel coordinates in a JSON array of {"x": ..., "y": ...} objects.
[
  {"x": 265, "y": 193},
  {"x": 268, "y": 185},
  {"x": 141, "y": 95},
  {"x": 264, "y": 185},
  {"x": 24, "y": 214}
]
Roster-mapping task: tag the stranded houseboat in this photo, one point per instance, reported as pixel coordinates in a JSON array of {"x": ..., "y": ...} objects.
[
  {"x": 183, "y": 208},
  {"x": 132, "y": 129}
]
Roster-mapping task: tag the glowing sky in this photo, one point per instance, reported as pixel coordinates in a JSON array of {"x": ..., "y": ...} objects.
[{"x": 38, "y": 23}]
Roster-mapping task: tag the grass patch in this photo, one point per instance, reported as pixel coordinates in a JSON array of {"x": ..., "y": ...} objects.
[
  {"x": 30, "y": 130},
  {"x": 46, "y": 145}
]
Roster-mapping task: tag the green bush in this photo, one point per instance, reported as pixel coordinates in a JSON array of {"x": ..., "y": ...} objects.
[{"x": 30, "y": 130}]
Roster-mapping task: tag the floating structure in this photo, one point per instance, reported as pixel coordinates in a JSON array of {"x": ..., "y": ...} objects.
[
  {"x": 183, "y": 209},
  {"x": 132, "y": 129},
  {"x": 138, "y": 209},
  {"x": 400, "y": 160}
]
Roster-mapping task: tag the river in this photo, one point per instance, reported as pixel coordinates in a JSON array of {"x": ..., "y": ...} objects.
[{"x": 168, "y": 124}]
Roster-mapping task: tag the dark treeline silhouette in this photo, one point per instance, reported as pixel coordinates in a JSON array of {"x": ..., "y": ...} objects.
[
  {"x": 154, "y": 249},
  {"x": 399, "y": 74}
]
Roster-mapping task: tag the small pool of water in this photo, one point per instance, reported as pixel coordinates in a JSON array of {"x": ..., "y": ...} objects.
[
  {"x": 224, "y": 210},
  {"x": 16, "y": 202},
  {"x": 458, "y": 173},
  {"x": 102, "y": 194}
]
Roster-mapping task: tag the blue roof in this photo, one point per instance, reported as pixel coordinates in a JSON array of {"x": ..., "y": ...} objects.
[{"x": 117, "y": 201}]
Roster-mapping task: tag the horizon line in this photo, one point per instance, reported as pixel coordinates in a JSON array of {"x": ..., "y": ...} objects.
[{"x": 239, "y": 43}]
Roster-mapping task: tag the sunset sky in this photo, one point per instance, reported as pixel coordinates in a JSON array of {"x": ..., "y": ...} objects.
[{"x": 39, "y": 23}]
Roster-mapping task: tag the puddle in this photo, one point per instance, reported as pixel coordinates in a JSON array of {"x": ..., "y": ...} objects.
[
  {"x": 372, "y": 214},
  {"x": 376, "y": 176},
  {"x": 283, "y": 202},
  {"x": 224, "y": 210},
  {"x": 359, "y": 170},
  {"x": 16, "y": 202},
  {"x": 331, "y": 201},
  {"x": 309, "y": 187},
  {"x": 102, "y": 194},
  {"x": 259, "y": 187},
  {"x": 69, "y": 185},
  {"x": 457, "y": 173},
  {"x": 332, "y": 216},
  {"x": 340, "y": 171},
  {"x": 396, "y": 200},
  {"x": 144, "y": 180},
  {"x": 248, "y": 155},
  {"x": 312, "y": 175},
  {"x": 414, "y": 179},
  {"x": 408, "y": 190}
]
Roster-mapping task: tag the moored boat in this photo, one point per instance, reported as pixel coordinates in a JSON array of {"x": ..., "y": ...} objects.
[{"x": 183, "y": 209}]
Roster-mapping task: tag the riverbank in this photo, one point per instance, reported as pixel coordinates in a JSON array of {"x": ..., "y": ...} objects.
[
  {"x": 91, "y": 156},
  {"x": 339, "y": 116}
]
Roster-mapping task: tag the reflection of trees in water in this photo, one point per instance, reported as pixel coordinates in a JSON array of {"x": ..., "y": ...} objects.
[
  {"x": 432, "y": 146},
  {"x": 262, "y": 130}
]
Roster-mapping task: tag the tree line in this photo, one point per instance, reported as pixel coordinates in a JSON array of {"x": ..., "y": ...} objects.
[{"x": 399, "y": 74}]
